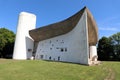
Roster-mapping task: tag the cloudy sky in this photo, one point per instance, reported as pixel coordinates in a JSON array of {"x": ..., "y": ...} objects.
[{"x": 105, "y": 12}]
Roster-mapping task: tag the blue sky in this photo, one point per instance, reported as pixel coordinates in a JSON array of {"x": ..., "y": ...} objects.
[{"x": 105, "y": 12}]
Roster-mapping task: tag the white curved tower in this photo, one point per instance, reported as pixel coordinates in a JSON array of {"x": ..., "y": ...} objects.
[
  {"x": 93, "y": 52},
  {"x": 23, "y": 47}
]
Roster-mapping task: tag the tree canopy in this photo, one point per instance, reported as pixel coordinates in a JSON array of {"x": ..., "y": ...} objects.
[
  {"x": 7, "y": 38},
  {"x": 109, "y": 48}
]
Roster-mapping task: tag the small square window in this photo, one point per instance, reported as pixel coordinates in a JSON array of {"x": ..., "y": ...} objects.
[
  {"x": 50, "y": 58},
  {"x": 41, "y": 56},
  {"x": 29, "y": 50},
  {"x": 52, "y": 44}
]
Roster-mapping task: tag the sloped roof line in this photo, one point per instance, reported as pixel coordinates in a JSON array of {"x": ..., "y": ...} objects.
[
  {"x": 56, "y": 29},
  {"x": 92, "y": 29},
  {"x": 66, "y": 26}
]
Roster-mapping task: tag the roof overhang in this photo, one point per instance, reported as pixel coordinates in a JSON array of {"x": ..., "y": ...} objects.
[{"x": 65, "y": 26}]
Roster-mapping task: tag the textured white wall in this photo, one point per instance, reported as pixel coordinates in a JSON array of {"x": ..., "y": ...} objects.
[
  {"x": 23, "y": 41},
  {"x": 76, "y": 43},
  {"x": 93, "y": 51}
]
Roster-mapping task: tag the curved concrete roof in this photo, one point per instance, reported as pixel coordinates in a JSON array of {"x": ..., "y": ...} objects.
[{"x": 65, "y": 26}]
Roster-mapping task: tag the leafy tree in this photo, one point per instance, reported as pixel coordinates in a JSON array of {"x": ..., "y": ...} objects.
[
  {"x": 115, "y": 38},
  {"x": 6, "y": 42},
  {"x": 105, "y": 49}
]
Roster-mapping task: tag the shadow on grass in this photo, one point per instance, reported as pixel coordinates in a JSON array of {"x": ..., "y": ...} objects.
[{"x": 66, "y": 62}]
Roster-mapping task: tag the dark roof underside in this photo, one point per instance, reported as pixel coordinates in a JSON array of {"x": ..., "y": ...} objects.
[{"x": 65, "y": 26}]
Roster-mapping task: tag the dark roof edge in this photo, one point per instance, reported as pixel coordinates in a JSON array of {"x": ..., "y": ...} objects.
[
  {"x": 58, "y": 28},
  {"x": 63, "y": 19}
]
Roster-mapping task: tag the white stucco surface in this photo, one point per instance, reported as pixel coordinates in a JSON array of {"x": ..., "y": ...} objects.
[
  {"x": 93, "y": 51},
  {"x": 70, "y": 47},
  {"x": 23, "y": 43}
]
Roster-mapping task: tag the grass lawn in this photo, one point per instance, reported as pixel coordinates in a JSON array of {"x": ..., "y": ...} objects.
[{"x": 46, "y": 70}]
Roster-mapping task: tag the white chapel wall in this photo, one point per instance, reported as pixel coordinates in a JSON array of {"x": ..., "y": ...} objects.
[{"x": 70, "y": 47}]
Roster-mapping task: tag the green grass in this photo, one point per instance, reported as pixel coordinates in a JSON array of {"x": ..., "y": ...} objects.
[{"x": 46, "y": 70}]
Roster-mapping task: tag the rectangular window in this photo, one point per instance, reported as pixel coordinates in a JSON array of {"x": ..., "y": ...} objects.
[
  {"x": 50, "y": 41},
  {"x": 50, "y": 58},
  {"x": 29, "y": 50},
  {"x": 65, "y": 49},
  {"x": 52, "y": 44},
  {"x": 57, "y": 48},
  {"x": 58, "y": 58},
  {"x": 62, "y": 49},
  {"x": 41, "y": 56}
]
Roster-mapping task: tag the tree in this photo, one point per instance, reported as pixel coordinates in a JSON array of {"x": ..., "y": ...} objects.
[
  {"x": 105, "y": 49},
  {"x": 6, "y": 42},
  {"x": 115, "y": 38}
]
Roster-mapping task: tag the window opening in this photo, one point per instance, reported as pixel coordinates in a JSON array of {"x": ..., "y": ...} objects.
[
  {"x": 50, "y": 58},
  {"x": 58, "y": 58},
  {"x": 50, "y": 41},
  {"x": 52, "y": 44},
  {"x": 29, "y": 50},
  {"x": 57, "y": 48},
  {"x": 41, "y": 56},
  {"x": 62, "y": 50},
  {"x": 65, "y": 49}
]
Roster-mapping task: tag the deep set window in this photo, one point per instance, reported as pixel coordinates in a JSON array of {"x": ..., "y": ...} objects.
[
  {"x": 62, "y": 49},
  {"x": 41, "y": 56}
]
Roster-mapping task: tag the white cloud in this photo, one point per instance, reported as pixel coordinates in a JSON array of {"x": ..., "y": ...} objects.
[
  {"x": 110, "y": 20},
  {"x": 108, "y": 29},
  {"x": 109, "y": 26}
]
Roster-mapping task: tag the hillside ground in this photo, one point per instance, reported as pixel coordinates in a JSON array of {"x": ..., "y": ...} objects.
[{"x": 48, "y": 70}]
